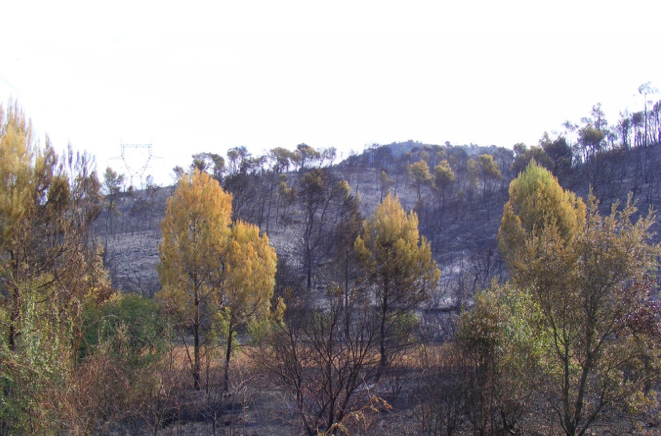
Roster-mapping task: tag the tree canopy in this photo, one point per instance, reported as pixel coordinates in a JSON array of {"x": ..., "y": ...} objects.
[
  {"x": 588, "y": 279},
  {"x": 536, "y": 202},
  {"x": 209, "y": 264},
  {"x": 398, "y": 262}
]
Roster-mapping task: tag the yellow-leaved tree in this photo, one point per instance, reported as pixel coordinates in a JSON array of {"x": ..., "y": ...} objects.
[
  {"x": 398, "y": 265},
  {"x": 419, "y": 173},
  {"x": 249, "y": 278},
  {"x": 588, "y": 277},
  {"x": 50, "y": 272},
  {"x": 537, "y": 201},
  {"x": 209, "y": 264}
]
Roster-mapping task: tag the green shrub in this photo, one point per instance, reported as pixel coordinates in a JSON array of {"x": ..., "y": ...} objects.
[{"x": 130, "y": 326}]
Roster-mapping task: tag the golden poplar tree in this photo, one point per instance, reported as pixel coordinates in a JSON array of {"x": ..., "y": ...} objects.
[
  {"x": 209, "y": 264},
  {"x": 397, "y": 262}
]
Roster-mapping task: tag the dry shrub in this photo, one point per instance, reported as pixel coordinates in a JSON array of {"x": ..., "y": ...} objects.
[{"x": 443, "y": 389}]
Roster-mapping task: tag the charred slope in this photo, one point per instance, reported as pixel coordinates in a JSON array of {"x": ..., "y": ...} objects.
[{"x": 461, "y": 220}]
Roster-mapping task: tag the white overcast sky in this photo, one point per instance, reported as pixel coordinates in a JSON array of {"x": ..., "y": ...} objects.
[{"x": 207, "y": 76}]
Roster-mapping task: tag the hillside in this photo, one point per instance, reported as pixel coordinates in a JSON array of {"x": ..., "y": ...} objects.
[{"x": 462, "y": 231}]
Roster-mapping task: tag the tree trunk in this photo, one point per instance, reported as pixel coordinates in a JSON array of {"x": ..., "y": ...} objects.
[
  {"x": 268, "y": 209},
  {"x": 347, "y": 313},
  {"x": 226, "y": 381},
  {"x": 384, "y": 310},
  {"x": 196, "y": 347},
  {"x": 308, "y": 258}
]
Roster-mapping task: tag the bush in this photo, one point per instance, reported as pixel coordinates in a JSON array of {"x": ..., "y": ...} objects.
[{"x": 130, "y": 325}]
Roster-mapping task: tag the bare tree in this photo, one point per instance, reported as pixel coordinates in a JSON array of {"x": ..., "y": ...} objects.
[{"x": 326, "y": 373}]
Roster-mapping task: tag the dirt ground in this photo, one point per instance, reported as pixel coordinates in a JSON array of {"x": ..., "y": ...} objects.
[{"x": 258, "y": 407}]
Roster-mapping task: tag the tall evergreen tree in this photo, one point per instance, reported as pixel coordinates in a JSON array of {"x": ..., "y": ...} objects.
[
  {"x": 397, "y": 263},
  {"x": 209, "y": 264}
]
